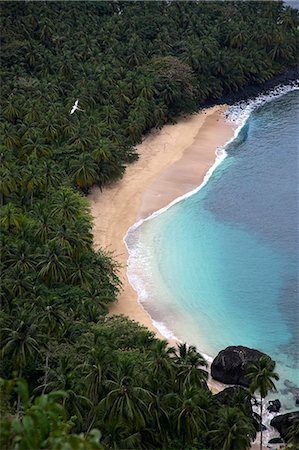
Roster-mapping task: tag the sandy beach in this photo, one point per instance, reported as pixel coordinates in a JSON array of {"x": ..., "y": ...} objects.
[{"x": 172, "y": 162}]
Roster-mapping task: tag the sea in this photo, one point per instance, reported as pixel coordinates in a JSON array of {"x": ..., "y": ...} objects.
[{"x": 219, "y": 266}]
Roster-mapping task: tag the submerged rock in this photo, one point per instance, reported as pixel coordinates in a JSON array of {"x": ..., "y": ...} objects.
[
  {"x": 276, "y": 440},
  {"x": 291, "y": 388},
  {"x": 229, "y": 366},
  {"x": 283, "y": 422},
  {"x": 274, "y": 405}
]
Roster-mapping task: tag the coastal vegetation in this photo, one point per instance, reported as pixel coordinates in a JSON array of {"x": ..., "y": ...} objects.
[
  {"x": 82, "y": 379},
  {"x": 261, "y": 376}
]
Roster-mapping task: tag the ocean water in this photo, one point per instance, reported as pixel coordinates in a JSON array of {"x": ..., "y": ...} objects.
[{"x": 220, "y": 267}]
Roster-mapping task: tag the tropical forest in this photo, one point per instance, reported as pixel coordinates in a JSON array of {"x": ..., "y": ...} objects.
[{"x": 72, "y": 376}]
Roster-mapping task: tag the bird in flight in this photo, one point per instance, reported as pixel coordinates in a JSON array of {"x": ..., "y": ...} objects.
[{"x": 75, "y": 106}]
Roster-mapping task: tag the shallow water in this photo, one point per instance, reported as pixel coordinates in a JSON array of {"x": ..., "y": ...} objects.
[{"x": 220, "y": 267}]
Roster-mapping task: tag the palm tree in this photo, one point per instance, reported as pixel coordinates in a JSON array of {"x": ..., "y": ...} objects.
[
  {"x": 21, "y": 257},
  {"x": 118, "y": 436},
  {"x": 10, "y": 217},
  {"x": 52, "y": 320},
  {"x": 9, "y": 135},
  {"x": 190, "y": 418},
  {"x": 8, "y": 182},
  {"x": 292, "y": 437},
  {"x": 32, "y": 179},
  {"x": 77, "y": 236},
  {"x": 190, "y": 371},
  {"x": 83, "y": 170},
  {"x": 67, "y": 205},
  {"x": 81, "y": 272},
  {"x": 16, "y": 284},
  {"x": 94, "y": 372},
  {"x": 81, "y": 140},
  {"x": 33, "y": 114},
  {"x": 43, "y": 223},
  {"x": 22, "y": 342},
  {"x": 51, "y": 174},
  {"x": 66, "y": 238},
  {"x": 161, "y": 361},
  {"x": 103, "y": 151},
  {"x": 11, "y": 112},
  {"x": 53, "y": 263},
  {"x": 35, "y": 145},
  {"x": 231, "y": 430},
  {"x": 126, "y": 402},
  {"x": 261, "y": 375},
  {"x": 63, "y": 378}
]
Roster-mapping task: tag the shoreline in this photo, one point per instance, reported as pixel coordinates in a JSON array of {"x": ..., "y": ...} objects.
[
  {"x": 289, "y": 77},
  {"x": 173, "y": 162}
]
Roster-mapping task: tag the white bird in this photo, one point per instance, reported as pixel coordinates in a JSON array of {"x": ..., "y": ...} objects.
[{"x": 75, "y": 106}]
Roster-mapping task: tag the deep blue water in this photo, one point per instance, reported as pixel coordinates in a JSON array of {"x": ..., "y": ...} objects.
[{"x": 221, "y": 267}]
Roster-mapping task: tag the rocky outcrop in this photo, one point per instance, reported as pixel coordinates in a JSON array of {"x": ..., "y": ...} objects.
[
  {"x": 283, "y": 422},
  {"x": 229, "y": 366},
  {"x": 235, "y": 395},
  {"x": 257, "y": 422},
  {"x": 274, "y": 405},
  {"x": 276, "y": 441}
]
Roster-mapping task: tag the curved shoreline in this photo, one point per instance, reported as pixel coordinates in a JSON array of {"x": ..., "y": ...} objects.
[
  {"x": 139, "y": 195},
  {"x": 238, "y": 115},
  {"x": 173, "y": 162}
]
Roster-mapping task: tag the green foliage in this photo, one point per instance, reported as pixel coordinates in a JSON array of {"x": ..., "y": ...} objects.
[
  {"x": 231, "y": 430},
  {"x": 293, "y": 434},
  {"x": 133, "y": 66},
  {"x": 261, "y": 375},
  {"x": 43, "y": 424},
  {"x": 122, "y": 333}
]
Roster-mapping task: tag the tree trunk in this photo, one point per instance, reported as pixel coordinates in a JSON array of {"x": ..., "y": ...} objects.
[
  {"x": 261, "y": 424},
  {"x": 46, "y": 373}
]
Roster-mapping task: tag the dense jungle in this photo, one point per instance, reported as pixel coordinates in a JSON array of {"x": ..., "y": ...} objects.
[{"x": 73, "y": 377}]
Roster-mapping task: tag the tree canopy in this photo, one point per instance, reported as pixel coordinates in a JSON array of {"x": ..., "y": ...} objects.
[{"x": 133, "y": 66}]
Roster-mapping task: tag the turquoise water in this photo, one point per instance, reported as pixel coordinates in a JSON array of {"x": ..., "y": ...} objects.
[{"x": 220, "y": 267}]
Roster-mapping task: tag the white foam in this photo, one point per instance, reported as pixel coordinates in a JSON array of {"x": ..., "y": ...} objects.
[
  {"x": 270, "y": 432},
  {"x": 220, "y": 156},
  {"x": 162, "y": 328},
  {"x": 237, "y": 114}
]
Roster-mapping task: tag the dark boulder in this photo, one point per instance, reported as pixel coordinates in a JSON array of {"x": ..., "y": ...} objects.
[
  {"x": 235, "y": 396},
  {"x": 261, "y": 428},
  {"x": 229, "y": 366},
  {"x": 297, "y": 401},
  {"x": 274, "y": 405},
  {"x": 283, "y": 422},
  {"x": 277, "y": 440},
  {"x": 257, "y": 422}
]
